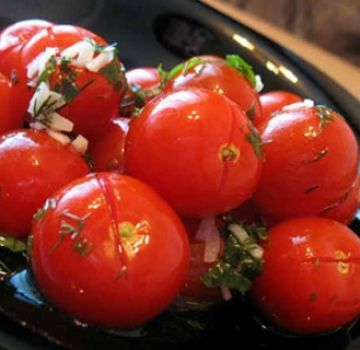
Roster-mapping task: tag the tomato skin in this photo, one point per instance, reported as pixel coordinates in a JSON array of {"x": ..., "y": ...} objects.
[
  {"x": 274, "y": 101},
  {"x": 310, "y": 281},
  {"x": 176, "y": 146},
  {"x": 108, "y": 150},
  {"x": 93, "y": 108},
  {"x": 194, "y": 287},
  {"x": 27, "y": 179},
  {"x": 91, "y": 287},
  {"x": 8, "y": 121},
  {"x": 308, "y": 167},
  {"x": 217, "y": 76}
]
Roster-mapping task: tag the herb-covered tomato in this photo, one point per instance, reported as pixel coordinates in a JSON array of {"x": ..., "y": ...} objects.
[
  {"x": 197, "y": 149},
  {"x": 33, "y": 166},
  {"x": 144, "y": 83},
  {"x": 206, "y": 248},
  {"x": 311, "y": 276},
  {"x": 109, "y": 251},
  {"x": 274, "y": 101},
  {"x": 311, "y": 162},
  {"x": 8, "y": 119},
  {"x": 108, "y": 150},
  {"x": 82, "y": 69},
  {"x": 233, "y": 78},
  {"x": 12, "y": 40}
]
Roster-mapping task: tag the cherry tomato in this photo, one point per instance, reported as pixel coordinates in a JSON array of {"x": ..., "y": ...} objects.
[
  {"x": 92, "y": 97},
  {"x": 311, "y": 161},
  {"x": 8, "y": 121},
  {"x": 108, "y": 151},
  {"x": 110, "y": 251},
  {"x": 310, "y": 280},
  {"x": 197, "y": 149},
  {"x": 275, "y": 100},
  {"x": 213, "y": 73},
  {"x": 206, "y": 248},
  {"x": 143, "y": 84},
  {"x": 33, "y": 166},
  {"x": 12, "y": 40}
]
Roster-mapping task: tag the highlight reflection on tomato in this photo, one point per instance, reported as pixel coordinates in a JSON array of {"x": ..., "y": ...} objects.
[{"x": 109, "y": 251}]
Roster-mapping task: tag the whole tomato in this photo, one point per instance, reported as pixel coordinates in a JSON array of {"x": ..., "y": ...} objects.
[
  {"x": 216, "y": 74},
  {"x": 8, "y": 120},
  {"x": 206, "y": 248},
  {"x": 109, "y": 251},
  {"x": 311, "y": 162},
  {"x": 310, "y": 281},
  {"x": 12, "y": 40},
  {"x": 197, "y": 149},
  {"x": 108, "y": 150},
  {"x": 92, "y": 96},
  {"x": 33, "y": 166},
  {"x": 274, "y": 101}
]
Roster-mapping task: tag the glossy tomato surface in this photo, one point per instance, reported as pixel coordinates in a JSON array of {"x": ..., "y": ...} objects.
[
  {"x": 309, "y": 282},
  {"x": 122, "y": 259},
  {"x": 214, "y": 74},
  {"x": 194, "y": 147},
  {"x": 8, "y": 119},
  {"x": 33, "y": 167},
  {"x": 311, "y": 163},
  {"x": 275, "y": 100},
  {"x": 108, "y": 150}
]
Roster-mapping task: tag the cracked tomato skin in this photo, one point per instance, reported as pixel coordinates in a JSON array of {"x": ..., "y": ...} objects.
[
  {"x": 311, "y": 276},
  {"x": 310, "y": 164},
  {"x": 33, "y": 167},
  {"x": 127, "y": 262},
  {"x": 214, "y": 74},
  {"x": 193, "y": 147}
]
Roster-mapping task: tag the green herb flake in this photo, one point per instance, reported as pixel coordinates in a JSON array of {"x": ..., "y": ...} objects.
[
  {"x": 41, "y": 213},
  {"x": 320, "y": 155},
  {"x": 251, "y": 112},
  {"x": 114, "y": 74},
  {"x": 243, "y": 67},
  {"x": 326, "y": 116},
  {"x": 12, "y": 244},
  {"x": 49, "y": 69},
  {"x": 254, "y": 138},
  {"x": 83, "y": 247},
  {"x": 312, "y": 189}
]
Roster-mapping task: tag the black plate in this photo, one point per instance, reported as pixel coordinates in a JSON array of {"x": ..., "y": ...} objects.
[{"x": 147, "y": 33}]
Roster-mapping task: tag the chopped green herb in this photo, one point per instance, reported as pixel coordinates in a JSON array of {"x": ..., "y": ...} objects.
[
  {"x": 312, "y": 189},
  {"x": 12, "y": 244},
  {"x": 243, "y": 67},
  {"x": 254, "y": 138},
  {"x": 41, "y": 213},
  {"x": 321, "y": 154},
  {"x": 114, "y": 74},
  {"x": 49, "y": 69},
  {"x": 326, "y": 116},
  {"x": 83, "y": 247},
  {"x": 88, "y": 159},
  {"x": 251, "y": 112}
]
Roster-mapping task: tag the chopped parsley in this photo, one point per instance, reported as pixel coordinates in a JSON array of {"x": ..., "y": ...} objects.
[{"x": 243, "y": 67}]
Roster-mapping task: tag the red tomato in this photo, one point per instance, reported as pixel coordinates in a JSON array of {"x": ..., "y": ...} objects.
[
  {"x": 33, "y": 166},
  {"x": 206, "y": 248},
  {"x": 213, "y": 73},
  {"x": 122, "y": 259},
  {"x": 194, "y": 147},
  {"x": 311, "y": 276},
  {"x": 12, "y": 40},
  {"x": 98, "y": 96},
  {"x": 146, "y": 81},
  {"x": 274, "y": 101},
  {"x": 345, "y": 210},
  {"x": 8, "y": 120},
  {"x": 108, "y": 151},
  {"x": 311, "y": 161}
]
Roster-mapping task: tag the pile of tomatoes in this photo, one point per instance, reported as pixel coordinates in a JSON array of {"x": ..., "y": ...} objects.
[{"x": 138, "y": 186}]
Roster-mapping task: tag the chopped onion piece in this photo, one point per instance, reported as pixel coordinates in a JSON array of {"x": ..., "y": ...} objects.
[
  {"x": 257, "y": 252},
  {"x": 38, "y": 64},
  {"x": 259, "y": 85},
  {"x": 226, "y": 293},
  {"x": 80, "y": 53},
  {"x": 238, "y": 232},
  {"x": 58, "y": 136},
  {"x": 209, "y": 234},
  {"x": 60, "y": 123},
  {"x": 307, "y": 103},
  {"x": 80, "y": 144},
  {"x": 43, "y": 95},
  {"x": 101, "y": 60}
]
